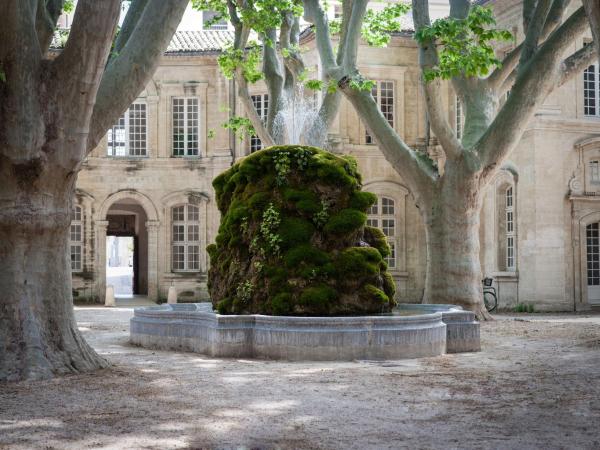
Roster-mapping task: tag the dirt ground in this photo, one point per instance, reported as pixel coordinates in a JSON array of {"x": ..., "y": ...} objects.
[{"x": 535, "y": 384}]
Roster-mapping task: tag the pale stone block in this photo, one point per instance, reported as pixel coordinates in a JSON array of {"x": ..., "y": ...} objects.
[
  {"x": 172, "y": 295},
  {"x": 110, "y": 296}
]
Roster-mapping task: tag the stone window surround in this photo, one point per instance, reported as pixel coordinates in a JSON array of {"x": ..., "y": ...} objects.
[
  {"x": 187, "y": 123},
  {"x": 179, "y": 89},
  {"x": 125, "y": 115},
  {"x": 503, "y": 181},
  {"x": 398, "y": 193},
  {"x": 199, "y": 199},
  {"x": 185, "y": 241}
]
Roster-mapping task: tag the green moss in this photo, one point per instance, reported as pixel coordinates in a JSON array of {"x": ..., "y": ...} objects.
[
  {"x": 318, "y": 296},
  {"x": 389, "y": 285},
  {"x": 212, "y": 251},
  {"x": 362, "y": 200},
  {"x": 259, "y": 201},
  {"x": 375, "y": 238},
  {"x": 345, "y": 221},
  {"x": 336, "y": 174},
  {"x": 373, "y": 293},
  {"x": 281, "y": 303},
  {"x": 295, "y": 231},
  {"x": 306, "y": 254},
  {"x": 304, "y": 200},
  {"x": 358, "y": 262},
  {"x": 224, "y": 306},
  {"x": 297, "y": 255}
]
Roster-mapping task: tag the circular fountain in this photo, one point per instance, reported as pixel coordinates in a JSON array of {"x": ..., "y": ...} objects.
[
  {"x": 411, "y": 331},
  {"x": 296, "y": 274}
]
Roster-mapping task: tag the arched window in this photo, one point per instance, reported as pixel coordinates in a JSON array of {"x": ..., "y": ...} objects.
[
  {"x": 382, "y": 215},
  {"x": 510, "y": 229},
  {"x": 76, "y": 238},
  {"x": 185, "y": 238},
  {"x": 506, "y": 228}
]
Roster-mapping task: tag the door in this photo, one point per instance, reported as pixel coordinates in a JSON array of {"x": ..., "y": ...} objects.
[{"x": 593, "y": 263}]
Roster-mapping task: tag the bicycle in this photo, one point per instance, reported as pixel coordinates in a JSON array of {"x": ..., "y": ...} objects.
[{"x": 490, "y": 298}]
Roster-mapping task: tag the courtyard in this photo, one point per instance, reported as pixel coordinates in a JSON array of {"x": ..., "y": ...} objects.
[{"x": 535, "y": 384}]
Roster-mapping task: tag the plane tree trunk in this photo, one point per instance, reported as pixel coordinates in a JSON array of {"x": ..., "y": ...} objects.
[
  {"x": 451, "y": 217},
  {"x": 38, "y": 333},
  {"x": 53, "y": 111}
]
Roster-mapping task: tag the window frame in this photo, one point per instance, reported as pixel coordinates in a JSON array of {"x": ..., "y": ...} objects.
[
  {"x": 186, "y": 243},
  {"x": 127, "y": 141},
  {"x": 390, "y": 116},
  {"x": 77, "y": 243},
  {"x": 510, "y": 234},
  {"x": 187, "y": 103}
]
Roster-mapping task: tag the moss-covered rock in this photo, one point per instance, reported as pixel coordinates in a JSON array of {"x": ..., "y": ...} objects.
[{"x": 292, "y": 239}]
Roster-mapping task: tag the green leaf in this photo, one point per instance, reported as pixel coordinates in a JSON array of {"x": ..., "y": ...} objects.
[
  {"x": 466, "y": 45},
  {"x": 315, "y": 85}
]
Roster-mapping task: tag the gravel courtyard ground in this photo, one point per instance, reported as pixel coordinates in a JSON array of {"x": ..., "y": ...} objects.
[{"x": 536, "y": 384}]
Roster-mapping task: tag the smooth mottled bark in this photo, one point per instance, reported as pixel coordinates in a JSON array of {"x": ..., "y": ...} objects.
[{"x": 46, "y": 130}]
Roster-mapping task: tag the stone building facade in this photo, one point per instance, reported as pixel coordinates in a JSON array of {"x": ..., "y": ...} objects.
[{"x": 150, "y": 179}]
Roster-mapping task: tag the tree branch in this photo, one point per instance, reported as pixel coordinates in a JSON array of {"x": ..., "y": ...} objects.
[
  {"x": 577, "y": 62},
  {"x": 313, "y": 13},
  {"x": 274, "y": 76},
  {"x": 503, "y": 77},
  {"x": 415, "y": 169},
  {"x": 349, "y": 46},
  {"x": 20, "y": 65},
  {"x": 134, "y": 13},
  {"x": 47, "y": 14},
  {"x": 459, "y": 9},
  {"x": 428, "y": 58},
  {"x": 80, "y": 65},
  {"x": 592, "y": 9},
  {"x": 534, "y": 31},
  {"x": 541, "y": 74},
  {"x": 129, "y": 72}
]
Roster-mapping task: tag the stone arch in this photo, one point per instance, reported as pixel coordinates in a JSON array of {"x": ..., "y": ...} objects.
[
  {"x": 581, "y": 259},
  {"x": 143, "y": 200}
]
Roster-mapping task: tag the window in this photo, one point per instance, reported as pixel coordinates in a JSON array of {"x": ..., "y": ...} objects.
[
  {"x": 593, "y": 254},
  {"x": 459, "y": 118},
  {"x": 510, "y": 229},
  {"x": 128, "y": 136},
  {"x": 185, "y": 126},
  {"x": 591, "y": 89},
  {"x": 76, "y": 240},
  {"x": 209, "y": 24},
  {"x": 383, "y": 94},
  {"x": 185, "y": 238},
  {"x": 337, "y": 11},
  {"x": 594, "y": 172},
  {"x": 382, "y": 215},
  {"x": 261, "y": 105}
]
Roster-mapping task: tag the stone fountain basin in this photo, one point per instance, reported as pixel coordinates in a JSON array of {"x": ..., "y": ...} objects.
[{"x": 413, "y": 331}]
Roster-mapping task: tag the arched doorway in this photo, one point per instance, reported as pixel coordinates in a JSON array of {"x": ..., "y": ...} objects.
[
  {"x": 127, "y": 248},
  {"x": 126, "y": 245}
]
